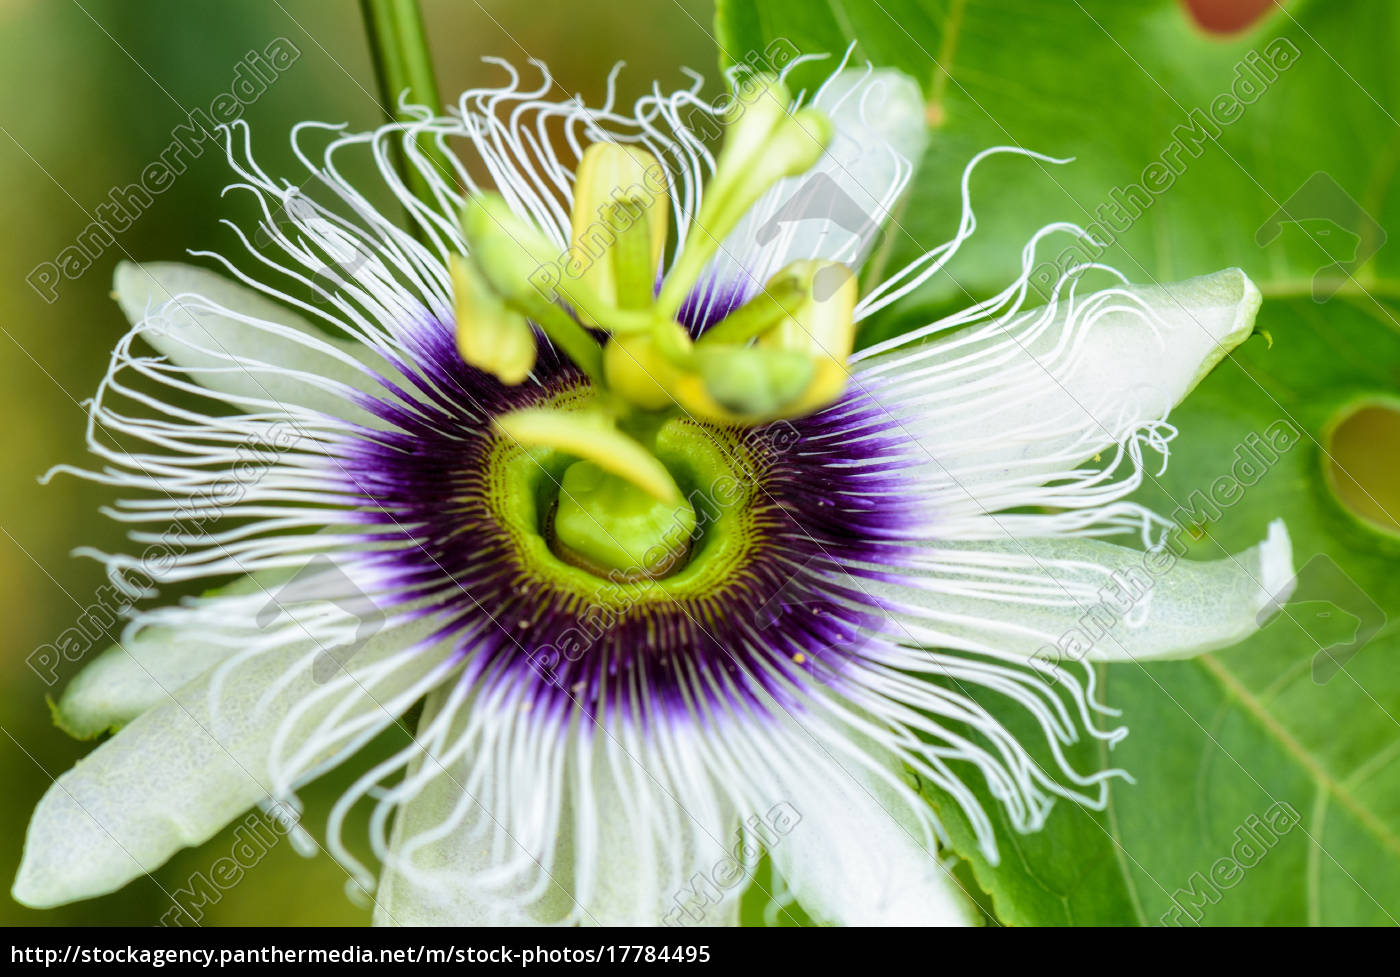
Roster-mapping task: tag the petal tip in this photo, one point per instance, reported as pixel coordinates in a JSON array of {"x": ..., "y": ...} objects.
[
  {"x": 1225, "y": 304},
  {"x": 123, "y": 285},
  {"x": 1225, "y": 289},
  {"x": 1247, "y": 307},
  {"x": 1276, "y": 576},
  {"x": 42, "y": 883},
  {"x": 25, "y": 891}
]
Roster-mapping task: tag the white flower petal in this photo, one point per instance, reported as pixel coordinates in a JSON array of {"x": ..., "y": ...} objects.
[
  {"x": 128, "y": 679},
  {"x": 140, "y": 672},
  {"x": 643, "y": 875},
  {"x": 1016, "y": 402},
  {"x": 1065, "y": 600},
  {"x": 261, "y": 350},
  {"x": 588, "y": 853},
  {"x": 835, "y": 210},
  {"x": 406, "y": 901},
  {"x": 437, "y": 883},
  {"x": 857, "y": 857},
  {"x": 181, "y": 771}
]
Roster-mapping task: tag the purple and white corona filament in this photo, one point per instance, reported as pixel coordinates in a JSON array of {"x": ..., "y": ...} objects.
[{"x": 657, "y": 557}]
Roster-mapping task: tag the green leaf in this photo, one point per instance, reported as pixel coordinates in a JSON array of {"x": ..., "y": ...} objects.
[
  {"x": 1250, "y": 727},
  {"x": 1218, "y": 743},
  {"x": 1069, "y": 873}
]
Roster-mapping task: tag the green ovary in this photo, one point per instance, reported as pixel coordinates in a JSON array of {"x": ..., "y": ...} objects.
[
  {"x": 604, "y": 522},
  {"x": 597, "y": 536}
]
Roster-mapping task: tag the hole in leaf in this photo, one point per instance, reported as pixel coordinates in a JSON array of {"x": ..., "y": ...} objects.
[
  {"x": 1227, "y": 16},
  {"x": 1364, "y": 468}
]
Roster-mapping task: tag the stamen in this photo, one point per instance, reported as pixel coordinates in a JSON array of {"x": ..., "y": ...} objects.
[
  {"x": 823, "y": 327},
  {"x": 765, "y": 143},
  {"x": 780, "y": 298},
  {"x": 620, "y": 220},
  {"x": 804, "y": 328},
  {"x": 619, "y": 224},
  {"x": 515, "y": 259},
  {"x": 490, "y": 336}
]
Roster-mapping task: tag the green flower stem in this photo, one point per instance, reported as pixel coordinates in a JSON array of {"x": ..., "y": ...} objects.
[
  {"x": 572, "y": 339},
  {"x": 403, "y": 65}
]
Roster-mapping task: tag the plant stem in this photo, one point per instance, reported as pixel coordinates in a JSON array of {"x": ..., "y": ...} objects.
[{"x": 404, "y": 67}]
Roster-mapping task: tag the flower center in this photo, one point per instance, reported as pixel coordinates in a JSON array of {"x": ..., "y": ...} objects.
[
  {"x": 628, "y": 465},
  {"x": 597, "y": 534},
  {"x": 757, "y": 595}
]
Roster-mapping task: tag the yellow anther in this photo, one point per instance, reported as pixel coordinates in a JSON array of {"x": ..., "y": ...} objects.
[
  {"x": 620, "y": 196},
  {"x": 490, "y": 336},
  {"x": 823, "y": 327}
]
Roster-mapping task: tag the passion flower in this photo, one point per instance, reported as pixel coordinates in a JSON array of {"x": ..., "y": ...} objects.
[{"x": 586, "y": 463}]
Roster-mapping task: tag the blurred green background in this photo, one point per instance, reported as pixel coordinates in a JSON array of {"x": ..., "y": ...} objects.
[{"x": 90, "y": 93}]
